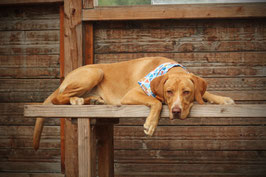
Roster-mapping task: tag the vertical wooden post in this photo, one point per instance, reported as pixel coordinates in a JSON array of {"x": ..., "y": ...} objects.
[
  {"x": 72, "y": 59},
  {"x": 105, "y": 137},
  {"x": 87, "y": 4},
  {"x": 86, "y": 148},
  {"x": 62, "y": 120},
  {"x": 88, "y": 44}
]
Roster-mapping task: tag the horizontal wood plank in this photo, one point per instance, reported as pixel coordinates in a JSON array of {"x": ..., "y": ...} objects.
[
  {"x": 198, "y": 59},
  {"x": 191, "y": 170},
  {"x": 203, "y": 145},
  {"x": 14, "y": 2},
  {"x": 30, "y": 167},
  {"x": 31, "y": 175},
  {"x": 190, "y": 157},
  {"x": 175, "y": 12},
  {"x": 177, "y": 132},
  {"x": 29, "y": 12},
  {"x": 29, "y": 155},
  {"x": 38, "y": 61},
  {"x": 102, "y": 111}
]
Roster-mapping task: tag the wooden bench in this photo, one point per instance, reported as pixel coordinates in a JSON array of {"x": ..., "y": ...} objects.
[{"x": 96, "y": 122}]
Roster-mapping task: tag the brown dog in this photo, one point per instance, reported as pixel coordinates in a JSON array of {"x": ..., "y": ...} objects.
[{"x": 118, "y": 84}]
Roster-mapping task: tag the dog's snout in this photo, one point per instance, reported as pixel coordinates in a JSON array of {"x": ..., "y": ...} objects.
[{"x": 176, "y": 110}]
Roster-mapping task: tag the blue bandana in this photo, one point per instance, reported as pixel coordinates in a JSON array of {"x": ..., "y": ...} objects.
[{"x": 145, "y": 82}]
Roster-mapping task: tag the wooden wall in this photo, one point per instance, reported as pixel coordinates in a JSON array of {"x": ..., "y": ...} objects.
[
  {"x": 231, "y": 55},
  {"x": 29, "y": 72}
]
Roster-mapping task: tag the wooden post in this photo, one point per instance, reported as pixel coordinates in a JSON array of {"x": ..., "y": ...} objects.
[
  {"x": 72, "y": 59},
  {"x": 105, "y": 137},
  {"x": 62, "y": 120},
  {"x": 86, "y": 148}
]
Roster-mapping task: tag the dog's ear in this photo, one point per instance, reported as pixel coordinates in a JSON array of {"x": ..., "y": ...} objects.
[
  {"x": 200, "y": 86},
  {"x": 157, "y": 85}
]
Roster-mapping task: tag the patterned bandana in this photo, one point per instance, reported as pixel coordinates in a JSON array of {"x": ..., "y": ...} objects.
[{"x": 145, "y": 82}]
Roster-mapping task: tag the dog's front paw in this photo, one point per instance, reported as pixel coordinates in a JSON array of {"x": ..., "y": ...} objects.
[
  {"x": 76, "y": 101},
  {"x": 149, "y": 128}
]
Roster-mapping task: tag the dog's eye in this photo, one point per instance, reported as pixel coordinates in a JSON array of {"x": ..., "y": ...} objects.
[
  {"x": 186, "y": 92},
  {"x": 170, "y": 92}
]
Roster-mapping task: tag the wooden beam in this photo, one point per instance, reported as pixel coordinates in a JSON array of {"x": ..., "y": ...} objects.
[
  {"x": 73, "y": 58},
  {"x": 62, "y": 61},
  {"x": 105, "y": 137},
  {"x": 88, "y": 4},
  {"x": 124, "y": 111},
  {"x": 73, "y": 35},
  {"x": 13, "y": 2},
  {"x": 86, "y": 149},
  {"x": 88, "y": 44},
  {"x": 195, "y": 11}
]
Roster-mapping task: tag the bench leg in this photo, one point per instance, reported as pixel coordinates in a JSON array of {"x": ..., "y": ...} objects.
[
  {"x": 71, "y": 149},
  {"x": 86, "y": 148},
  {"x": 105, "y": 136}
]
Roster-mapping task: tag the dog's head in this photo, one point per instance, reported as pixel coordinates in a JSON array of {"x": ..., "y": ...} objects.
[{"x": 179, "y": 91}]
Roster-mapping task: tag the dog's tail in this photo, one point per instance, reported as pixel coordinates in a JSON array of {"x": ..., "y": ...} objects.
[{"x": 39, "y": 123}]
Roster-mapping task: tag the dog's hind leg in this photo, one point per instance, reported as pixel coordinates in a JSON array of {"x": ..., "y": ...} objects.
[{"x": 76, "y": 84}]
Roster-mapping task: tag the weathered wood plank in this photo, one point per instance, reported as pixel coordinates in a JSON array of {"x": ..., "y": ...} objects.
[
  {"x": 15, "y": 2},
  {"x": 136, "y": 46},
  {"x": 208, "y": 145},
  {"x": 51, "y": 49},
  {"x": 31, "y": 175},
  {"x": 181, "y": 33},
  {"x": 191, "y": 157},
  {"x": 138, "y": 169},
  {"x": 12, "y": 114},
  {"x": 101, "y": 111},
  {"x": 30, "y": 167},
  {"x": 30, "y": 24},
  {"x": 27, "y": 143},
  {"x": 19, "y": 97},
  {"x": 245, "y": 121},
  {"x": 30, "y": 12},
  {"x": 228, "y": 24},
  {"x": 201, "y": 59},
  {"x": 29, "y": 155},
  {"x": 175, "y": 12},
  {"x": 24, "y": 132},
  {"x": 28, "y": 85},
  {"x": 29, "y": 37},
  {"x": 11, "y": 61},
  {"x": 19, "y": 72},
  {"x": 193, "y": 133}
]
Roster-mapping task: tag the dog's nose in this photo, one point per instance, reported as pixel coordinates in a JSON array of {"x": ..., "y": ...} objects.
[{"x": 176, "y": 110}]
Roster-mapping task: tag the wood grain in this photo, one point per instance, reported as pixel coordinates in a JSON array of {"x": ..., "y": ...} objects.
[
  {"x": 86, "y": 151},
  {"x": 124, "y": 111},
  {"x": 14, "y": 2},
  {"x": 31, "y": 175},
  {"x": 73, "y": 58},
  {"x": 175, "y": 12}
]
